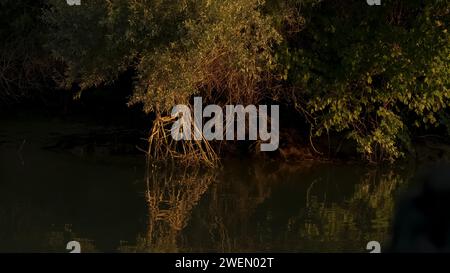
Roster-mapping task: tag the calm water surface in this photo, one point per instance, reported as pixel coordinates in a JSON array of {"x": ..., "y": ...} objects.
[{"x": 60, "y": 182}]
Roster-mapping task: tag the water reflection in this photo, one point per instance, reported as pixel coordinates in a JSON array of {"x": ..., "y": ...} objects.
[
  {"x": 171, "y": 197},
  {"x": 244, "y": 208},
  {"x": 49, "y": 197}
]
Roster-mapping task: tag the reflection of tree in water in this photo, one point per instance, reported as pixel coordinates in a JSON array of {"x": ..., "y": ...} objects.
[
  {"x": 171, "y": 196},
  {"x": 264, "y": 208},
  {"x": 363, "y": 217},
  {"x": 293, "y": 210},
  {"x": 231, "y": 203},
  {"x": 248, "y": 208}
]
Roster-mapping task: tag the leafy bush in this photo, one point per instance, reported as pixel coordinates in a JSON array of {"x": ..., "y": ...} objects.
[
  {"x": 371, "y": 73},
  {"x": 222, "y": 49}
]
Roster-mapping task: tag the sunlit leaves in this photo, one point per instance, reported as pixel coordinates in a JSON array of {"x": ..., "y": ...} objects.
[
  {"x": 373, "y": 74},
  {"x": 370, "y": 74}
]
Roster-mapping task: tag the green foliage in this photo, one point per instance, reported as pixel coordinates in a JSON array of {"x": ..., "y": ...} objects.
[
  {"x": 178, "y": 48},
  {"x": 371, "y": 73}
]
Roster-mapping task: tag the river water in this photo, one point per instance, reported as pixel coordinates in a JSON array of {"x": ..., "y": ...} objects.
[{"x": 60, "y": 181}]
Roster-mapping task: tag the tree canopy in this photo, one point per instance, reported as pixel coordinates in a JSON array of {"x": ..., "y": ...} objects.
[{"x": 374, "y": 74}]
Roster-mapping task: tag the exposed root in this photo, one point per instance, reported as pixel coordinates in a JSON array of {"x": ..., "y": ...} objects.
[{"x": 163, "y": 148}]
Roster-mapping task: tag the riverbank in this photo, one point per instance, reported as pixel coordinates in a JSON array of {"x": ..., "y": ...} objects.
[{"x": 126, "y": 132}]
